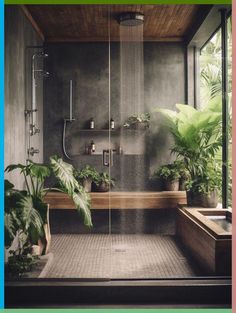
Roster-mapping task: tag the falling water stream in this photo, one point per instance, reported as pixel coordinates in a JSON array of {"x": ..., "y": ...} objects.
[{"x": 131, "y": 103}]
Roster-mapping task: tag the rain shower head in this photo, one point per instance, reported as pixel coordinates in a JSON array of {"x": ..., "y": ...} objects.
[{"x": 131, "y": 19}]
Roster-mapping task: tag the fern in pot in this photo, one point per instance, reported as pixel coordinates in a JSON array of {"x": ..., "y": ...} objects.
[
  {"x": 86, "y": 176},
  {"x": 170, "y": 176},
  {"x": 103, "y": 182}
]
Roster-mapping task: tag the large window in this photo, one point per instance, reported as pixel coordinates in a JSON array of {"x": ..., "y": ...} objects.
[{"x": 211, "y": 86}]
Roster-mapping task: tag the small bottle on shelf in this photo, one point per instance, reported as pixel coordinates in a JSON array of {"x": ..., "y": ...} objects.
[
  {"x": 92, "y": 146},
  {"x": 92, "y": 123},
  {"x": 112, "y": 123}
]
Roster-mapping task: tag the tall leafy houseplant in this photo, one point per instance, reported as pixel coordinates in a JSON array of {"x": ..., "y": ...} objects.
[
  {"x": 31, "y": 200},
  {"x": 197, "y": 137}
]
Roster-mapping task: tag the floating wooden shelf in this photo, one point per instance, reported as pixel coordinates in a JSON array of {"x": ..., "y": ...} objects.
[{"x": 122, "y": 200}]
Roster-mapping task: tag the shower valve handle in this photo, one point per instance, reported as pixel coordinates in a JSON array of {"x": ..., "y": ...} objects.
[
  {"x": 33, "y": 151},
  {"x": 105, "y": 157}
]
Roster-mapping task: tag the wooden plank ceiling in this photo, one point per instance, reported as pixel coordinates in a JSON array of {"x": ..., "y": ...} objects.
[{"x": 68, "y": 23}]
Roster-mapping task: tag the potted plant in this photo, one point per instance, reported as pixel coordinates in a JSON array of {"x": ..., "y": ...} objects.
[
  {"x": 103, "y": 182},
  {"x": 170, "y": 176},
  {"x": 33, "y": 197},
  {"x": 22, "y": 222},
  {"x": 138, "y": 121},
  {"x": 203, "y": 190},
  {"x": 86, "y": 176},
  {"x": 198, "y": 139},
  {"x": 184, "y": 175}
]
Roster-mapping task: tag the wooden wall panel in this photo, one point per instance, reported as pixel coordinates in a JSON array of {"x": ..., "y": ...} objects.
[{"x": 90, "y": 22}]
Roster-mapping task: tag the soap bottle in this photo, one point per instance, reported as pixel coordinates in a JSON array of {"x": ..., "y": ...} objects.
[
  {"x": 92, "y": 123},
  {"x": 92, "y": 146},
  {"x": 112, "y": 123}
]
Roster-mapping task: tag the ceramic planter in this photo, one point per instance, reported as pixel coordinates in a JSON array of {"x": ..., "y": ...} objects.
[
  {"x": 87, "y": 184},
  {"x": 102, "y": 187},
  {"x": 171, "y": 185},
  {"x": 197, "y": 199}
]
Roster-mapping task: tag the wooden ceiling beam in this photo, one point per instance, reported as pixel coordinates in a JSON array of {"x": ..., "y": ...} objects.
[{"x": 32, "y": 21}]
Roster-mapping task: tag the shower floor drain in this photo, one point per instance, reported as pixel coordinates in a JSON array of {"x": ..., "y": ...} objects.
[{"x": 120, "y": 250}]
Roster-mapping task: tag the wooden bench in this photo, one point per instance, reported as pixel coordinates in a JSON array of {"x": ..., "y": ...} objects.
[{"x": 122, "y": 200}]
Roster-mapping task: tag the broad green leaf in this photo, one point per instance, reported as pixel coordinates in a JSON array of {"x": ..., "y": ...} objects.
[
  {"x": 64, "y": 172},
  {"x": 39, "y": 171},
  {"x": 83, "y": 206}
]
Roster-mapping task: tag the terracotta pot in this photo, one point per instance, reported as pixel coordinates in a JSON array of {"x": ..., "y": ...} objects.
[
  {"x": 171, "y": 185},
  {"x": 44, "y": 243},
  {"x": 87, "y": 184},
  {"x": 197, "y": 199}
]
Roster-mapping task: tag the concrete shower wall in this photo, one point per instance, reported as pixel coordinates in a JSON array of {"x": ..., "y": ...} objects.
[
  {"x": 20, "y": 37},
  {"x": 87, "y": 65}
]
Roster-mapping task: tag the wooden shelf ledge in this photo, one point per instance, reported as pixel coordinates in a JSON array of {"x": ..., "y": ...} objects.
[{"x": 122, "y": 200}]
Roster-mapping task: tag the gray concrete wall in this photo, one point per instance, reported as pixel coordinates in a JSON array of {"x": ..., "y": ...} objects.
[
  {"x": 19, "y": 39},
  {"x": 87, "y": 65}
]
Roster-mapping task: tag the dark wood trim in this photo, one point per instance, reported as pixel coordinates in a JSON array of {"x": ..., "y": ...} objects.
[
  {"x": 32, "y": 21},
  {"x": 122, "y": 200},
  {"x": 205, "y": 26}
]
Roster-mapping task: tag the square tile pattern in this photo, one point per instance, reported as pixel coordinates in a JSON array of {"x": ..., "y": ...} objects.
[{"x": 118, "y": 257}]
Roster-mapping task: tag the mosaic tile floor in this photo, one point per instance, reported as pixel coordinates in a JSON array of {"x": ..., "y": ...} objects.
[{"x": 117, "y": 256}]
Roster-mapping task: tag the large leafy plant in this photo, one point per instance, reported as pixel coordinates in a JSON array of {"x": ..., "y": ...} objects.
[
  {"x": 197, "y": 137},
  {"x": 26, "y": 211}
]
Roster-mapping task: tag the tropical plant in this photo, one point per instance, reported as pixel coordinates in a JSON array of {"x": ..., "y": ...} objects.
[
  {"x": 197, "y": 138},
  {"x": 35, "y": 175},
  {"x": 26, "y": 212},
  {"x": 88, "y": 172},
  {"x": 134, "y": 120},
  {"x": 104, "y": 178}
]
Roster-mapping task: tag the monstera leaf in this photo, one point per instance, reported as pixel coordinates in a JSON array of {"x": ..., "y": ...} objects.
[
  {"x": 29, "y": 216},
  {"x": 64, "y": 173}
]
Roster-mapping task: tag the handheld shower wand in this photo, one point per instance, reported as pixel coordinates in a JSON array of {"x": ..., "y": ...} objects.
[{"x": 68, "y": 120}]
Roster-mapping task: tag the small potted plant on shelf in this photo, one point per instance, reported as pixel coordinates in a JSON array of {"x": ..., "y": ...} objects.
[
  {"x": 138, "y": 121},
  {"x": 86, "y": 176},
  {"x": 103, "y": 182},
  {"x": 170, "y": 176}
]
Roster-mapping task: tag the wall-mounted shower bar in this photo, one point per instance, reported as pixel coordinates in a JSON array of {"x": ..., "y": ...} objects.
[{"x": 33, "y": 128}]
